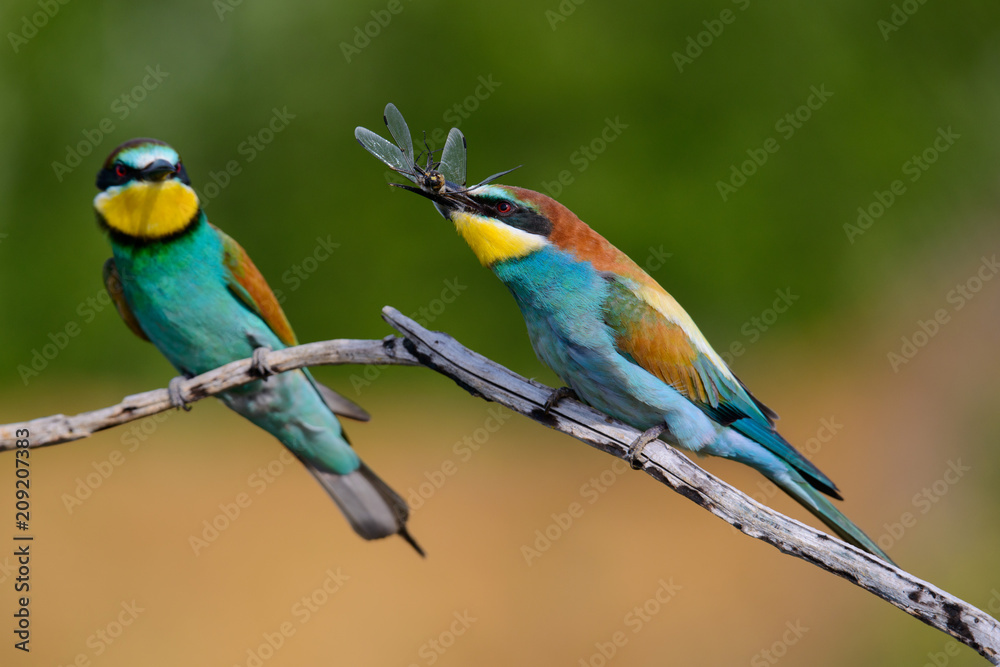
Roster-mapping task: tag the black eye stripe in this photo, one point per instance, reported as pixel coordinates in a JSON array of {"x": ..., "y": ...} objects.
[
  {"x": 519, "y": 217},
  {"x": 108, "y": 176}
]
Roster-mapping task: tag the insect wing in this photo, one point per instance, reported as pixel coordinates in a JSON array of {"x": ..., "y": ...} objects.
[
  {"x": 490, "y": 179},
  {"x": 385, "y": 151},
  {"x": 453, "y": 157},
  {"x": 399, "y": 131}
]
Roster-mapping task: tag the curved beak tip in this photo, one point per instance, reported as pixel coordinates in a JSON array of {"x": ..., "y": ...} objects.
[
  {"x": 158, "y": 170},
  {"x": 446, "y": 200}
]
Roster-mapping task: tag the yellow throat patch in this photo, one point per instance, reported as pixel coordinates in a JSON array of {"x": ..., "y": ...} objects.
[
  {"x": 494, "y": 241},
  {"x": 148, "y": 210}
]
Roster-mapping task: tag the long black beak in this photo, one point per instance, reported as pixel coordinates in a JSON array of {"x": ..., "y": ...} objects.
[
  {"x": 451, "y": 197},
  {"x": 158, "y": 170},
  {"x": 447, "y": 200}
]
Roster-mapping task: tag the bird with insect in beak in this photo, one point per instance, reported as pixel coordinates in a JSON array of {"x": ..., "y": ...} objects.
[
  {"x": 191, "y": 290},
  {"x": 617, "y": 339}
]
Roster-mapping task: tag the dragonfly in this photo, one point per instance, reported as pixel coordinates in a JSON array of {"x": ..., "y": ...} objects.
[{"x": 448, "y": 174}]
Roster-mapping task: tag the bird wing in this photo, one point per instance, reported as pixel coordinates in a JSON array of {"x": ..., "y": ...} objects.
[
  {"x": 113, "y": 283},
  {"x": 652, "y": 331},
  {"x": 245, "y": 281},
  {"x": 248, "y": 285}
]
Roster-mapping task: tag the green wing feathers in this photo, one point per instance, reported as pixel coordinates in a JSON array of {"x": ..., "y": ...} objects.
[
  {"x": 662, "y": 346},
  {"x": 650, "y": 339},
  {"x": 249, "y": 286},
  {"x": 247, "y": 283}
]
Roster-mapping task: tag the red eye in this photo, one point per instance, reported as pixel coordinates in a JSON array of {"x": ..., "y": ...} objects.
[
  {"x": 120, "y": 170},
  {"x": 177, "y": 169},
  {"x": 504, "y": 207}
]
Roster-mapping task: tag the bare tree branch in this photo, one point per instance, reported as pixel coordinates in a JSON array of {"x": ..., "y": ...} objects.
[
  {"x": 60, "y": 428},
  {"x": 487, "y": 379}
]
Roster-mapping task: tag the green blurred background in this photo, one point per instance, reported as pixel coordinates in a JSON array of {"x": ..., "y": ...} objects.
[{"x": 528, "y": 83}]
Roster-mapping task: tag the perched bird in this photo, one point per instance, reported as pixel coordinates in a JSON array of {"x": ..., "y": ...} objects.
[
  {"x": 619, "y": 341},
  {"x": 191, "y": 290}
]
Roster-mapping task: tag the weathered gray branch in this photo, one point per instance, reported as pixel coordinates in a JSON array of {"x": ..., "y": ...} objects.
[
  {"x": 482, "y": 377},
  {"x": 60, "y": 428}
]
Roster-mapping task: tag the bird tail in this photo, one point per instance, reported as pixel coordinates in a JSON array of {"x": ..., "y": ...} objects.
[
  {"x": 813, "y": 500},
  {"x": 804, "y": 483},
  {"x": 373, "y": 509}
]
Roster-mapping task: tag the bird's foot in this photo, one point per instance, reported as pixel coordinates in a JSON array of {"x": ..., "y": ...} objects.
[
  {"x": 646, "y": 437},
  {"x": 557, "y": 396},
  {"x": 177, "y": 394},
  {"x": 259, "y": 365}
]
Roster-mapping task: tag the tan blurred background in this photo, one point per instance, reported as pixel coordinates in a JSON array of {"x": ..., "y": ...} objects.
[
  {"x": 729, "y": 599},
  {"x": 642, "y": 577}
]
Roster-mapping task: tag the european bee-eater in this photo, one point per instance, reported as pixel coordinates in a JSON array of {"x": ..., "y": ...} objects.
[
  {"x": 191, "y": 290},
  {"x": 617, "y": 339},
  {"x": 624, "y": 345}
]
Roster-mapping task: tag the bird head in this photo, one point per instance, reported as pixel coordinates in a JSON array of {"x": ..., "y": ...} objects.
[
  {"x": 145, "y": 193},
  {"x": 500, "y": 222}
]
